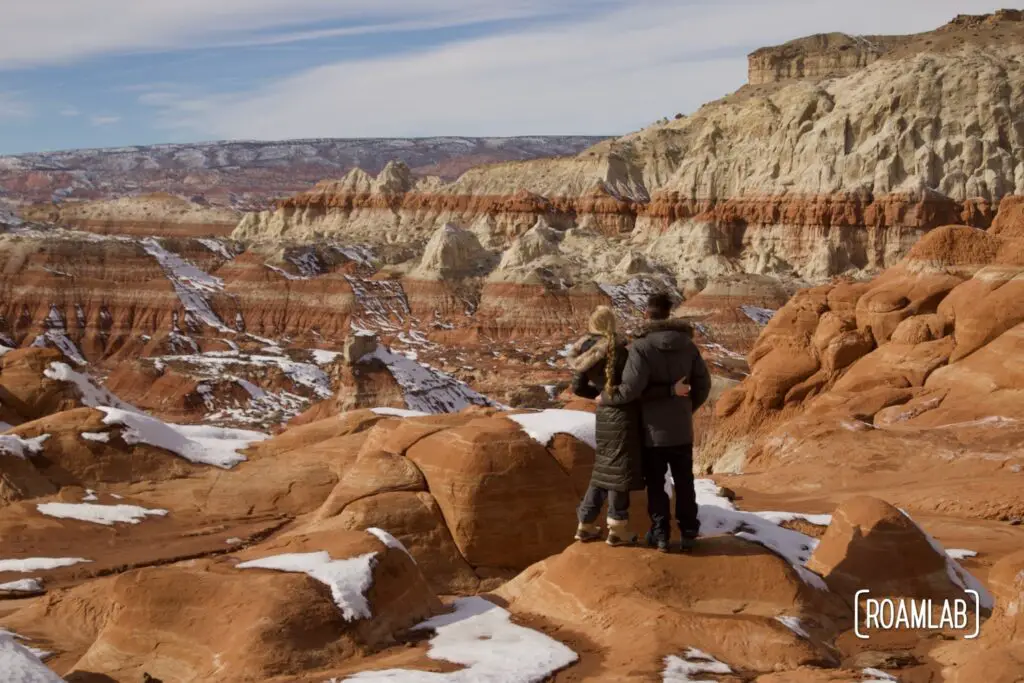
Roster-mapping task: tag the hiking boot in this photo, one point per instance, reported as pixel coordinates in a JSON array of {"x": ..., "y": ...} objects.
[
  {"x": 657, "y": 542},
  {"x": 585, "y": 533},
  {"x": 619, "y": 533}
]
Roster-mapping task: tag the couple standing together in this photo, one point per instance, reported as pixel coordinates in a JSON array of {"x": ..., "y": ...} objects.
[{"x": 647, "y": 392}]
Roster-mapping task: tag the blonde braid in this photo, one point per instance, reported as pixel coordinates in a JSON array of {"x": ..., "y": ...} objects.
[
  {"x": 609, "y": 367},
  {"x": 602, "y": 322}
]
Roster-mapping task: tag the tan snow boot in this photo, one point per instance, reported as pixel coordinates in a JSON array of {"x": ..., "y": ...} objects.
[
  {"x": 588, "y": 532},
  {"x": 619, "y": 534}
]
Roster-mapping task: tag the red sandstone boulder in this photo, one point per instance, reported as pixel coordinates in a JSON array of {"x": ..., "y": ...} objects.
[
  {"x": 722, "y": 600},
  {"x": 507, "y": 501},
  {"x": 217, "y": 620},
  {"x": 27, "y": 392},
  {"x": 871, "y": 545}
]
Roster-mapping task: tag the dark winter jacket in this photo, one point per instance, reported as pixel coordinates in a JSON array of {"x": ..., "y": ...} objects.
[
  {"x": 662, "y": 354},
  {"x": 617, "y": 463}
]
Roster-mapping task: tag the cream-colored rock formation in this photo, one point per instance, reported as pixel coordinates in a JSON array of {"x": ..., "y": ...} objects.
[
  {"x": 452, "y": 253},
  {"x": 838, "y": 171},
  {"x": 152, "y": 214}
]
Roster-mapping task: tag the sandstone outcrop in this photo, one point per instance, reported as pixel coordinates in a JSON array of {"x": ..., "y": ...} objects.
[
  {"x": 872, "y": 546},
  {"x": 330, "y": 540},
  {"x": 826, "y": 55},
  {"x": 1000, "y": 657},
  {"x": 451, "y": 253},
  {"x": 809, "y": 178},
  {"x": 877, "y": 383},
  {"x": 722, "y": 601},
  {"x": 282, "y": 621}
]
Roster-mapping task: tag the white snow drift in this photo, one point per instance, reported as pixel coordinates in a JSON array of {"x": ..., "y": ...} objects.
[
  {"x": 22, "y": 586},
  {"x": 107, "y": 515},
  {"x": 480, "y": 636},
  {"x": 21, "y": 448},
  {"x": 348, "y": 579},
  {"x": 543, "y": 426},
  {"x": 35, "y": 564},
  {"x": 692, "y": 663},
  {"x": 196, "y": 443},
  {"x": 20, "y": 665}
]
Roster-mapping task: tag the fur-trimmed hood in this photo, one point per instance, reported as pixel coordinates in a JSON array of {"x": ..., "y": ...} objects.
[
  {"x": 589, "y": 351},
  {"x": 669, "y": 334}
]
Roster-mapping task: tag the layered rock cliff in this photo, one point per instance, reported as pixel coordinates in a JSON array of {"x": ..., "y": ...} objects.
[
  {"x": 807, "y": 178},
  {"x": 821, "y": 56},
  {"x": 903, "y": 383},
  {"x": 833, "y": 55},
  {"x": 152, "y": 214}
]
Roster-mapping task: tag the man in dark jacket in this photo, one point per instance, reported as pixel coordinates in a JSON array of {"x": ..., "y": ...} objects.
[{"x": 664, "y": 353}]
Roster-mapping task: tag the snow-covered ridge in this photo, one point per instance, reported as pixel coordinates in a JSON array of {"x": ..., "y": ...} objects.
[
  {"x": 426, "y": 389},
  {"x": 332, "y": 152},
  {"x": 196, "y": 443},
  {"x": 761, "y": 316},
  {"x": 90, "y": 393},
  {"x": 191, "y": 284}
]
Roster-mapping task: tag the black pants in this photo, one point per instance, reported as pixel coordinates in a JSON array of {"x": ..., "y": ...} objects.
[
  {"x": 590, "y": 506},
  {"x": 680, "y": 460}
]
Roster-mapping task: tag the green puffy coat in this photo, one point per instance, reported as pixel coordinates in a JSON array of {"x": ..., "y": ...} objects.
[{"x": 617, "y": 460}]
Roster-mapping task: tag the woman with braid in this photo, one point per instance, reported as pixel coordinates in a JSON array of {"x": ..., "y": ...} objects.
[{"x": 597, "y": 361}]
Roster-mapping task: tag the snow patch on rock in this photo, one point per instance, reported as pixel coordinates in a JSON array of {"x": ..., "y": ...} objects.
[
  {"x": 22, "y": 448},
  {"x": 190, "y": 283},
  {"x": 107, "y": 515},
  {"x": 36, "y": 564},
  {"x": 426, "y": 389},
  {"x": 399, "y": 412},
  {"x": 91, "y": 394},
  {"x": 794, "y": 625},
  {"x": 480, "y": 636},
  {"x": 324, "y": 357},
  {"x": 201, "y": 444},
  {"x": 876, "y": 676},
  {"x": 348, "y": 579},
  {"x": 692, "y": 663},
  {"x": 388, "y": 540},
  {"x": 783, "y": 517},
  {"x": 20, "y": 664},
  {"x": 22, "y": 586},
  {"x": 761, "y": 316},
  {"x": 543, "y": 426},
  {"x": 718, "y": 515},
  {"x": 957, "y": 574},
  {"x": 99, "y": 437}
]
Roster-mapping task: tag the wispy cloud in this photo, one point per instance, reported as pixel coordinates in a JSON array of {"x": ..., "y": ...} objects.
[
  {"x": 605, "y": 74},
  {"x": 70, "y": 112},
  {"x": 12, "y": 106},
  {"x": 58, "y": 31},
  {"x": 104, "y": 120}
]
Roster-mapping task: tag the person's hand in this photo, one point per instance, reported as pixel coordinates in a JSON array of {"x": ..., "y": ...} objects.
[
  {"x": 681, "y": 388},
  {"x": 600, "y": 400}
]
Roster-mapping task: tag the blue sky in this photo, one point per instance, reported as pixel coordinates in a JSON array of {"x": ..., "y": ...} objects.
[{"x": 94, "y": 73}]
